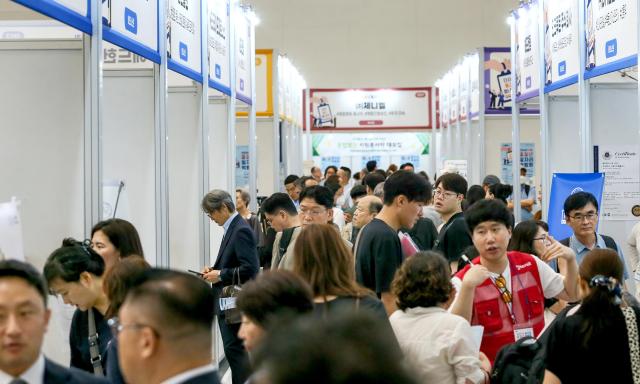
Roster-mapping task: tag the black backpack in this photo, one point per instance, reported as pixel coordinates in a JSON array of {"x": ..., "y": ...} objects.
[{"x": 522, "y": 362}]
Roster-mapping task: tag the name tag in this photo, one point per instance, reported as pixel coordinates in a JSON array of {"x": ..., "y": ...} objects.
[
  {"x": 520, "y": 333},
  {"x": 227, "y": 303}
]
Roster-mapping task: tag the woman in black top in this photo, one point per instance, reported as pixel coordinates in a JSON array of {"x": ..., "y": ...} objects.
[
  {"x": 322, "y": 259},
  {"x": 589, "y": 343},
  {"x": 74, "y": 271}
]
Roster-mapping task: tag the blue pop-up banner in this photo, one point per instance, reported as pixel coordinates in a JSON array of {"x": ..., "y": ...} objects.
[{"x": 564, "y": 185}]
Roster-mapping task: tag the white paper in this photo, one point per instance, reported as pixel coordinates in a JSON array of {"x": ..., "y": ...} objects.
[
  {"x": 478, "y": 331},
  {"x": 11, "y": 241},
  {"x": 621, "y": 195}
]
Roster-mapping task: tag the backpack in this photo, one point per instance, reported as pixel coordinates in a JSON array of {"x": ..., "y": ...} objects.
[{"x": 522, "y": 362}]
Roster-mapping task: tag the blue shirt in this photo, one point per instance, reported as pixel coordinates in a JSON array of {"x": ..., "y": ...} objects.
[
  {"x": 227, "y": 223},
  {"x": 581, "y": 249}
]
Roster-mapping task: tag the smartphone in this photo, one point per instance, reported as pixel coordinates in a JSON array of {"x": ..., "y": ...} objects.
[{"x": 196, "y": 272}]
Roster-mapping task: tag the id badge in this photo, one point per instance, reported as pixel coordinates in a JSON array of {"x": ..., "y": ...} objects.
[{"x": 522, "y": 332}]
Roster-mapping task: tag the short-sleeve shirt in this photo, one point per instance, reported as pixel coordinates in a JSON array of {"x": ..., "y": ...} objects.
[
  {"x": 378, "y": 256},
  {"x": 454, "y": 238},
  {"x": 605, "y": 360}
]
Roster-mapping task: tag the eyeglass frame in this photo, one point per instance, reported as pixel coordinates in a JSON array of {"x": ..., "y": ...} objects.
[
  {"x": 116, "y": 327},
  {"x": 445, "y": 194},
  {"x": 311, "y": 212},
  {"x": 580, "y": 217},
  {"x": 545, "y": 239}
]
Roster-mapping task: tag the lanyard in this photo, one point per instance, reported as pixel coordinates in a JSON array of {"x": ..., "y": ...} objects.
[{"x": 510, "y": 302}]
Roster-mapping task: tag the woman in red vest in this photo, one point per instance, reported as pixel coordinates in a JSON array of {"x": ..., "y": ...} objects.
[{"x": 505, "y": 291}]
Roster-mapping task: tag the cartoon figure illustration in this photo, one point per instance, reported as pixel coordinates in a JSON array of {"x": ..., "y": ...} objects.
[{"x": 591, "y": 38}]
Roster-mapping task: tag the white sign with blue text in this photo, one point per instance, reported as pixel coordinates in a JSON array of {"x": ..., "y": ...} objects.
[
  {"x": 218, "y": 45},
  {"x": 133, "y": 20},
  {"x": 527, "y": 69},
  {"x": 183, "y": 37},
  {"x": 243, "y": 57},
  {"x": 561, "y": 42}
]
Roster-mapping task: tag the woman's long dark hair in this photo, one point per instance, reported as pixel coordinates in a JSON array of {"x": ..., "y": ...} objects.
[
  {"x": 122, "y": 234},
  {"x": 70, "y": 260},
  {"x": 602, "y": 301},
  {"x": 522, "y": 237}
]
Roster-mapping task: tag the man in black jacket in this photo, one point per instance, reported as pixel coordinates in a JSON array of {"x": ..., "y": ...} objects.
[
  {"x": 237, "y": 262},
  {"x": 23, "y": 324}
]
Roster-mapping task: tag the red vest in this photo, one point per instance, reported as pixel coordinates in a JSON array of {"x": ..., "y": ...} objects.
[{"x": 490, "y": 311}]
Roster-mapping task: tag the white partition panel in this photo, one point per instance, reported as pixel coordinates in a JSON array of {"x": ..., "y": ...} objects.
[
  {"x": 183, "y": 126},
  {"x": 128, "y": 149},
  {"x": 220, "y": 165},
  {"x": 564, "y": 133},
  {"x": 474, "y": 154},
  {"x": 41, "y": 155},
  {"x": 266, "y": 157}
]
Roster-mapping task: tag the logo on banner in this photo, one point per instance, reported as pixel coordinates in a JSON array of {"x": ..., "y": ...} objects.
[
  {"x": 562, "y": 68},
  {"x": 218, "y": 71},
  {"x": 130, "y": 21},
  {"x": 528, "y": 82},
  {"x": 611, "y": 48},
  {"x": 242, "y": 84},
  {"x": 184, "y": 52}
]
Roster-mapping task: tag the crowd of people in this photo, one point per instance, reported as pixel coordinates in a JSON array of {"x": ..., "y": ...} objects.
[{"x": 369, "y": 277}]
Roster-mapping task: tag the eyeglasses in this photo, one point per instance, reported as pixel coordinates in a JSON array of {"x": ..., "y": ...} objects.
[
  {"x": 116, "y": 327},
  {"x": 545, "y": 240},
  {"x": 444, "y": 194},
  {"x": 312, "y": 212},
  {"x": 501, "y": 283},
  {"x": 589, "y": 216}
]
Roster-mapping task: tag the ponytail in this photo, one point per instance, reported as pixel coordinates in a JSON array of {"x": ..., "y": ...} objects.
[{"x": 71, "y": 259}]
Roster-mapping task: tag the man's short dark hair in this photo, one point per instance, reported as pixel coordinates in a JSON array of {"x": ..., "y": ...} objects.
[
  {"x": 408, "y": 184},
  {"x": 290, "y": 179},
  {"x": 273, "y": 294},
  {"x": 278, "y": 201},
  {"x": 347, "y": 171},
  {"x": 579, "y": 200},
  {"x": 403, "y": 166},
  {"x": 488, "y": 210},
  {"x": 335, "y": 169},
  {"x": 357, "y": 191},
  {"x": 301, "y": 181},
  {"x": 26, "y": 272},
  {"x": 453, "y": 182},
  {"x": 372, "y": 165},
  {"x": 372, "y": 179},
  {"x": 320, "y": 194},
  {"x": 175, "y": 300}
]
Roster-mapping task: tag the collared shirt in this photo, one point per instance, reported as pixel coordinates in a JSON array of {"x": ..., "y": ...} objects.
[
  {"x": 581, "y": 249},
  {"x": 438, "y": 345},
  {"x": 33, "y": 375},
  {"x": 190, "y": 374},
  {"x": 227, "y": 223},
  {"x": 296, "y": 203}
]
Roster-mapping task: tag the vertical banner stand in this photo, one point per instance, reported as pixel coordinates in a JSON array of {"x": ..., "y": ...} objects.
[
  {"x": 92, "y": 52},
  {"x": 515, "y": 129}
]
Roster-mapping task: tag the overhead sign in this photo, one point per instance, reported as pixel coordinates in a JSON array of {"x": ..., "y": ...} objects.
[
  {"x": 243, "y": 57},
  {"x": 74, "y": 13},
  {"x": 474, "y": 67},
  {"x": 371, "y": 109},
  {"x": 264, "y": 83},
  {"x": 611, "y": 36},
  {"x": 183, "y": 38},
  {"x": 561, "y": 44},
  {"x": 463, "y": 75},
  {"x": 133, "y": 25},
  {"x": 443, "y": 93},
  {"x": 497, "y": 80},
  {"x": 355, "y": 144},
  {"x": 454, "y": 83},
  {"x": 527, "y": 52},
  {"x": 219, "y": 45}
]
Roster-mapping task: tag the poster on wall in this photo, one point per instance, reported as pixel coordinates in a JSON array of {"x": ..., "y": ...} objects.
[
  {"x": 218, "y": 45},
  {"x": 527, "y": 52},
  {"x": 527, "y": 160},
  {"x": 352, "y": 144},
  {"x": 74, "y": 13},
  {"x": 242, "y": 166},
  {"x": 183, "y": 38},
  {"x": 611, "y": 36},
  {"x": 372, "y": 109},
  {"x": 243, "y": 58},
  {"x": 621, "y": 167},
  {"x": 561, "y": 44},
  {"x": 132, "y": 25}
]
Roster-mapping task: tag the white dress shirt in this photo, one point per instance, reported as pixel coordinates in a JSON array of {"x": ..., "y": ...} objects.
[
  {"x": 33, "y": 375},
  {"x": 190, "y": 374},
  {"x": 438, "y": 345}
]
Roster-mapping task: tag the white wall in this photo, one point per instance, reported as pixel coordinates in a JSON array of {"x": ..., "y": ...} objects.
[{"x": 265, "y": 138}]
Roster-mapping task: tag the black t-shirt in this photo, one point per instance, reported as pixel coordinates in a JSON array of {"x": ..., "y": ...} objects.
[
  {"x": 454, "y": 238},
  {"x": 423, "y": 233},
  {"x": 349, "y": 303},
  {"x": 378, "y": 256},
  {"x": 605, "y": 360},
  {"x": 79, "y": 339}
]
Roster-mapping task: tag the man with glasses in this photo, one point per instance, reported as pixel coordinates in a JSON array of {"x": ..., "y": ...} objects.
[
  {"x": 453, "y": 238},
  {"x": 283, "y": 217},
  {"x": 502, "y": 290},
  {"x": 293, "y": 189},
  {"x": 581, "y": 214},
  {"x": 164, "y": 330}
]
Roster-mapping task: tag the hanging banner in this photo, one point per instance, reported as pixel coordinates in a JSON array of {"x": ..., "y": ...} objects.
[
  {"x": 562, "y": 186},
  {"x": 356, "y": 144},
  {"x": 132, "y": 25},
  {"x": 527, "y": 160},
  {"x": 74, "y": 13},
  {"x": 621, "y": 167},
  {"x": 463, "y": 75},
  {"x": 474, "y": 80},
  {"x": 497, "y": 80},
  {"x": 527, "y": 52},
  {"x": 372, "y": 109},
  {"x": 561, "y": 44},
  {"x": 611, "y": 36},
  {"x": 444, "y": 102},
  {"x": 454, "y": 101},
  {"x": 243, "y": 58},
  {"x": 218, "y": 45},
  {"x": 283, "y": 65},
  {"x": 183, "y": 38},
  {"x": 264, "y": 83}
]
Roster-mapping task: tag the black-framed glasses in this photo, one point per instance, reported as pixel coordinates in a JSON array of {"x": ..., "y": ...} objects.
[
  {"x": 589, "y": 216},
  {"x": 444, "y": 194},
  {"x": 116, "y": 327},
  {"x": 544, "y": 238}
]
